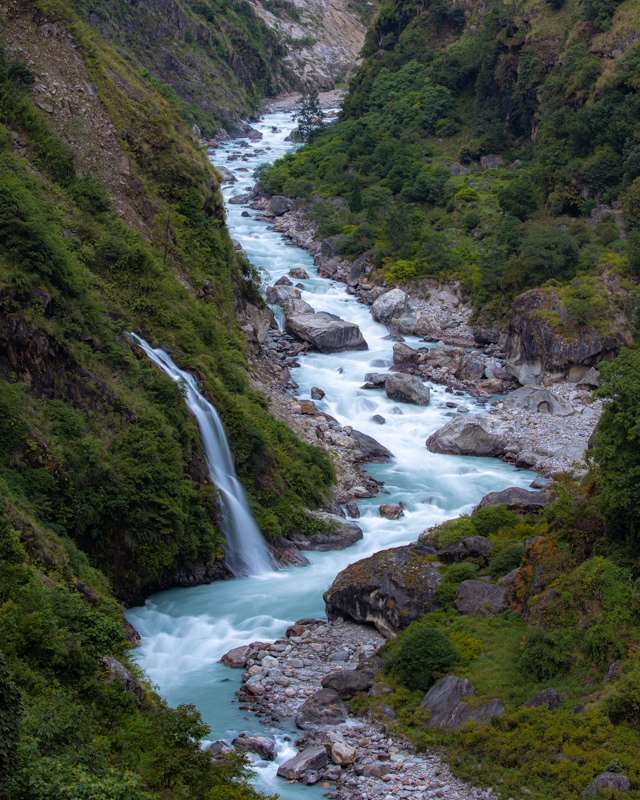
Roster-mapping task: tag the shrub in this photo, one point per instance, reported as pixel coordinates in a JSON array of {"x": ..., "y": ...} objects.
[
  {"x": 420, "y": 654},
  {"x": 452, "y": 578},
  {"x": 492, "y": 520},
  {"x": 546, "y": 655},
  {"x": 471, "y": 220},
  {"x": 455, "y": 529},
  {"x": 518, "y": 198},
  {"x": 506, "y": 560},
  {"x": 623, "y": 704}
]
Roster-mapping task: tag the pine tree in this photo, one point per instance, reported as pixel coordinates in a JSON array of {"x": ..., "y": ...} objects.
[
  {"x": 355, "y": 201},
  {"x": 309, "y": 115}
]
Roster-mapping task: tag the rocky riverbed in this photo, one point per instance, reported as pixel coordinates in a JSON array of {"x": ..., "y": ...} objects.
[{"x": 305, "y": 680}]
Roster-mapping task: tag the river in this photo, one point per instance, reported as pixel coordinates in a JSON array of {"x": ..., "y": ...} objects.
[{"x": 186, "y": 631}]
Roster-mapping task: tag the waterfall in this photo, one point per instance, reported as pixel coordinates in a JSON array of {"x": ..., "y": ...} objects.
[{"x": 246, "y": 550}]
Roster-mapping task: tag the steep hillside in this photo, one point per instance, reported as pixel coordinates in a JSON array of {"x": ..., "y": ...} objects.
[{"x": 492, "y": 142}]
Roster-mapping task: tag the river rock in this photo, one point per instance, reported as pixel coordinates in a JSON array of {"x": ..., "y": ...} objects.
[
  {"x": 376, "y": 379},
  {"x": 537, "y": 398},
  {"x": 331, "y": 248},
  {"x": 237, "y": 657},
  {"x": 480, "y": 435},
  {"x": 403, "y": 354},
  {"x": 220, "y": 749},
  {"x": 301, "y": 307},
  {"x": 239, "y": 199},
  {"x": 346, "y": 682},
  {"x": 343, "y": 754},
  {"x": 226, "y": 175},
  {"x": 338, "y": 533},
  {"x": 309, "y": 760},
  {"x": 547, "y": 697},
  {"x": 286, "y": 554},
  {"x": 326, "y": 332},
  {"x": 370, "y": 450},
  {"x": 478, "y": 598},
  {"x": 323, "y": 708},
  {"x": 283, "y": 281},
  {"x": 278, "y": 206},
  {"x": 279, "y": 295},
  {"x": 407, "y": 389},
  {"x": 608, "y": 780},
  {"x": 259, "y": 745},
  {"x": 299, "y": 273},
  {"x": 394, "y": 310},
  {"x": 443, "y": 699},
  {"x": 316, "y": 393},
  {"x": 389, "y": 589},
  {"x": 471, "y": 368},
  {"x": 352, "y": 508},
  {"x": 516, "y": 499},
  {"x": 477, "y": 547},
  {"x": 390, "y": 512},
  {"x": 120, "y": 673}
]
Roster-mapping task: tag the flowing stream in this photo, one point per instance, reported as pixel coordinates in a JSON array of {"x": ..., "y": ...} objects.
[{"x": 186, "y": 631}]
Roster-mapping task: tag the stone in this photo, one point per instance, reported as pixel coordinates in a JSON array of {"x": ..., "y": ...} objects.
[
  {"x": 613, "y": 673},
  {"x": 483, "y": 715},
  {"x": 278, "y": 206},
  {"x": 443, "y": 699},
  {"x": 259, "y": 745},
  {"x": 239, "y": 199},
  {"x": 352, "y": 508},
  {"x": 379, "y": 419},
  {"x": 237, "y": 657},
  {"x": 343, "y": 754},
  {"x": 537, "y": 398},
  {"x": 403, "y": 354},
  {"x": 389, "y": 589},
  {"x": 376, "y": 770},
  {"x": 547, "y": 697},
  {"x": 407, "y": 389},
  {"x": 220, "y": 749},
  {"x": 394, "y": 310},
  {"x": 477, "y": 598},
  {"x": 457, "y": 170},
  {"x": 316, "y": 393},
  {"x": 384, "y": 713},
  {"x": 477, "y": 547},
  {"x": 299, "y": 273},
  {"x": 378, "y": 689},
  {"x": 486, "y": 335},
  {"x": 331, "y": 248},
  {"x": 323, "y": 708},
  {"x": 309, "y": 760},
  {"x": 590, "y": 379},
  {"x": 376, "y": 379},
  {"x": 301, "y": 307},
  {"x": 332, "y": 773},
  {"x": 346, "y": 682},
  {"x": 389, "y": 511},
  {"x": 282, "y": 295},
  {"x": 326, "y": 332},
  {"x": 283, "y": 281},
  {"x": 226, "y": 175},
  {"x": 338, "y": 533},
  {"x": 480, "y": 435},
  {"x": 370, "y": 450},
  {"x": 516, "y": 499},
  {"x": 608, "y": 780},
  {"x": 540, "y": 483},
  {"x": 471, "y": 368},
  {"x": 491, "y": 162},
  {"x": 308, "y": 408},
  {"x": 120, "y": 673},
  {"x": 516, "y": 164}
]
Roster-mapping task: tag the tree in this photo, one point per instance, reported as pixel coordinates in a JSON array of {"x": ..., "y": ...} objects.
[
  {"x": 518, "y": 198},
  {"x": 309, "y": 115},
  {"x": 421, "y": 653},
  {"x": 397, "y": 226},
  {"x": 355, "y": 201},
  {"x": 376, "y": 201},
  {"x": 550, "y": 253}
]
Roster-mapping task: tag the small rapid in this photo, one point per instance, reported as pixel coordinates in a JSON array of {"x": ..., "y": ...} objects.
[{"x": 186, "y": 631}]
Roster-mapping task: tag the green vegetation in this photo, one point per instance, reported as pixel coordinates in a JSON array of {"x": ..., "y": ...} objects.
[{"x": 422, "y": 652}]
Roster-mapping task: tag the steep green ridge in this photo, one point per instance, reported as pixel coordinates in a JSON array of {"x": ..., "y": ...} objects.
[{"x": 551, "y": 84}]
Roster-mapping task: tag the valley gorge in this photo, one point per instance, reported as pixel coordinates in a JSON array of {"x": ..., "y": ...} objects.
[{"x": 318, "y": 460}]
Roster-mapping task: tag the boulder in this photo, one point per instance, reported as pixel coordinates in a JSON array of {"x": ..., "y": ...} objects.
[
  {"x": 282, "y": 295},
  {"x": 389, "y": 511},
  {"x": 278, "y": 206},
  {"x": 608, "y": 780},
  {"x": 326, "y": 332},
  {"x": 219, "y": 750},
  {"x": 390, "y": 589},
  {"x": 256, "y": 322},
  {"x": 357, "y": 268},
  {"x": 286, "y": 554},
  {"x": 316, "y": 393},
  {"x": 482, "y": 715},
  {"x": 324, "y": 707},
  {"x": 237, "y": 657},
  {"x": 376, "y": 378},
  {"x": 480, "y": 435},
  {"x": 346, "y": 682},
  {"x": 343, "y": 754},
  {"x": 283, "y": 281},
  {"x": 407, "y": 389},
  {"x": 443, "y": 699},
  {"x": 299, "y": 273},
  {"x": 120, "y": 673},
  {"x": 394, "y": 310},
  {"x": 376, "y": 771},
  {"x": 380, "y": 420},
  {"x": 239, "y": 199},
  {"x": 537, "y": 398},
  {"x": 403, "y": 354},
  {"x": 352, "y": 508},
  {"x": 486, "y": 335},
  {"x": 259, "y": 745},
  {"x": 516, "y": 499},
  {"x": 370, "y": 450},
  {"x": 547, "y": 697},
  {"x": 338, "y": 533},
  {"x": 425, "y": 324},
  {"x": 469, "y": 547},
  {"x": 491, "y": 162},
  {"x": 309, "y": 760},
  {"x": 331, "y": 248},
  {"x": 471, "y": 368},
  {"x": 226, "y": 175},
  {"x": 457, "y": 170},
  {"x": 301, "y": 307},
  {"x": 590, "y": 379},
  {"x": 479, "y": 599}
]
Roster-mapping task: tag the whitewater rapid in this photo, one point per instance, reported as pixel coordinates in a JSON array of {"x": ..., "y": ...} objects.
[{"x": 186, "y": 631}]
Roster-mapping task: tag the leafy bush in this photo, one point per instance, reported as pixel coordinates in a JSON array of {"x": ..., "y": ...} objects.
[
  {"x": 471, "y": 220},
  {"x": 546, "y": 655},
  {"x": 506, "y": 560},
  {"x": 452, "y": 578},
  {"x": 455, "y": 529},
  {"x": 623, "y": 704},
  {"x": 518, "y": 198},
  {"x": 493, "y": 519},
  {"x": 421, "y": 653}
]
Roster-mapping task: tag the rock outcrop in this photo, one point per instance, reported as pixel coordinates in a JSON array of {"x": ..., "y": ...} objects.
[
  {"x": 338, "y": 533},
  {"x": 311, "y": 759},
  {"x": 476, "y": 547},
  {"x": 472, "y": 436},
  {"x": 394, "y": 310},
  {"x": 326, "y": 332},
  {"x": 547, "y": 697},
  {"x": 447, "y": 708},
  {"x": 120, "y": 673},
  {"x": 323, "y": 708},
  {"x": 537, "y": 398},
  {"x": 479, "y": 599},
  {"x": 407, "y": 389},
  {"x": 389, "y": 589},
  {"x": 608, "y": 780},
  {"x": 516, "y": 499}
]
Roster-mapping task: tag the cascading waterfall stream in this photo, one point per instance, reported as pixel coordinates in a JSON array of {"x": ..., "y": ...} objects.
[{"x": 246, "y": 552}]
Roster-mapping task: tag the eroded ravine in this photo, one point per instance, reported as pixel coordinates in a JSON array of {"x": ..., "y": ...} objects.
[{"x": 186, "y": 631}]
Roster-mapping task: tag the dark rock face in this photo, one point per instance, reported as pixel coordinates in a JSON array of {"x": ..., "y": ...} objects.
[
  {"x": 309, "y": 760},
  {"x": 325, "y": 707},
  {"x": 516, "y": 499},
  {"x": 260, "y": 745},
  {"x": 346, "y": 682},
  {"x": 608, "y": 780},
  {"x": 469, "y": 547},
  {"x": 403, "y": 354},
  {"x": 547, "y": 697},
  {"x": 444, "y": 701},
  {"x": 472, "y": 436},
  {"x": 184, "y": 576},
  {"x": 389, "y": 589},
  {"x": 477, "y": 598},
  {"x": 536, "y": 350},
  {"x": 372, "y": 451},
  {"x": 330, "y": 247},
  {"x": 286, "y": 553},
  {"x": 338, "y": 534},
  {"x": 486, "y": 335},
  {"x": 326, "y": 332},
  {"x": 277, "y": 206},
  {"x": 120, "y": 673},
  {"x": 537, "y": 398},
  {"x": 407, "y": 389}
]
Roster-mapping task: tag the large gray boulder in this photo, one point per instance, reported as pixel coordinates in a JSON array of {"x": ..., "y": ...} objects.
[
  {"x": 407, "y": 389},
  {"x": 259, "y": 745},
  {"x": 390, "y": 589},
  {"x": 468, "y": 547},
  {"x": 371, "y": 450},
  {"x": 448, "y": 710},
  {"x": 120, "y": 673},
  {"x": 480, "y": 435},
  {"x": 346, "y": 682},
  {"x": 323, "y": 708},
  {"x": 338, "y": 533},
  {"x": 226, "y": 175},
  {"x": 278, "y": 206},
  {"x": 608, "y": 780},
  {"x": 403, "y": 354},
  {"x": 394, "y": 310},
  {"x": 309, "y": 760},
  {"x": 478, "y": 598},
  {"x": 326, "y": 332},
  {"x": 236, "y": 658},
  {"x": 331, "y": 248},
  {"x": 516, "y": 499},
  {"x": 537, "y": 398},
  {"x": 547, "y": 697},
  {"x": 282, "y": 295}
]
